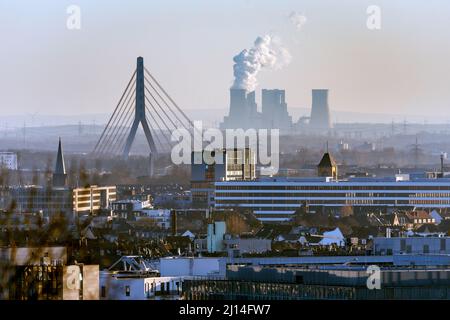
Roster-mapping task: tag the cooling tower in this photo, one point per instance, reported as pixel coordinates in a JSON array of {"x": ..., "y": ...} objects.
[
  {"x": 243, "y": 110},
  {"x": 320, "y": 112},
  {"x": 238, "y": 101}
]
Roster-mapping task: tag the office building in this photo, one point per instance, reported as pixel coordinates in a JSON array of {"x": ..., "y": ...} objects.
[
  {"x": 323, "y": 283},
  {"x": 274, "y": 110},
  {"x": 229, "y": 165},
  {"x": 276, "y": 200},
  {"x": 92, "y": 199}
]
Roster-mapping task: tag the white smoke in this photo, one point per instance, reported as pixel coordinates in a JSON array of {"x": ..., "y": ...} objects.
[
  {"x": 297, "y": 19},
  {"x": 266, "y": 52}
]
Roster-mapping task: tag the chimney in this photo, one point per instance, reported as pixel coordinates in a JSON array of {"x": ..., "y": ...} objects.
[{"x": 173, "y": 222}]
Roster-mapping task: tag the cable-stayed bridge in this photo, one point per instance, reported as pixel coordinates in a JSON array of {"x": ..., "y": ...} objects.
[{"x": 144, "y": 102}]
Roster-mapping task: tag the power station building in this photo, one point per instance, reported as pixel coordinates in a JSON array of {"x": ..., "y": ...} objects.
[
  {"x": 244, "y": 111},
  {"x": 274, "y": 110}
]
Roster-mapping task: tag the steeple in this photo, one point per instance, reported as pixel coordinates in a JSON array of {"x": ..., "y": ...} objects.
[
  {"x": 327, "y": 166},
  {"x": 59, "y": 175}
]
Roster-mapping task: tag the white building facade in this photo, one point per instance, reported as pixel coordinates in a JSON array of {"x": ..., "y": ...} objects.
[{"x": 276, "y": 200}]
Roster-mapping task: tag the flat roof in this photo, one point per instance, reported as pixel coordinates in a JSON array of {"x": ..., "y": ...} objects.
[{"x": 326, "y": 180}]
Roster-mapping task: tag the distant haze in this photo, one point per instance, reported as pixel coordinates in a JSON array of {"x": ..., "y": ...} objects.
[{"x": 401, "y": 71}]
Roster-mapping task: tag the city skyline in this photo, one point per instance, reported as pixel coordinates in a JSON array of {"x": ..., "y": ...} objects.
[{"x": 399, "y": 69}]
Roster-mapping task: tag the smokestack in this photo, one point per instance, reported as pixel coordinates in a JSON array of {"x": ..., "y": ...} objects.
[
  {"x": 320, "y": 111},
  {"x": 173, "y": 222}
]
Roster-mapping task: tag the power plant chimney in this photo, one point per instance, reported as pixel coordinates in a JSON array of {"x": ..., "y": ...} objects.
[
  {"x": 320, "y": 112},
  {"x": 173, "y": 222}
]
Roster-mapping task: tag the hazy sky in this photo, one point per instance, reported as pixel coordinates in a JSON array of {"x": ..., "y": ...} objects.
[{"x": 188, "y": 45}]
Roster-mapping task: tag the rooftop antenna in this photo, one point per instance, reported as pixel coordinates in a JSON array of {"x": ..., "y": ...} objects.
[{"x": 416, "y": 150}]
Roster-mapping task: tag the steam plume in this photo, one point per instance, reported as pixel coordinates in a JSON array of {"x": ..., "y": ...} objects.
[
  {"x": 266, "y": 52},
  {"x": 297, "y": 19}
]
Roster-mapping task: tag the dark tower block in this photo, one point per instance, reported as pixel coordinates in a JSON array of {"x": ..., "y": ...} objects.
[
  {"x": 320, "y": 111},
  {"x": 59, "y": 175}
]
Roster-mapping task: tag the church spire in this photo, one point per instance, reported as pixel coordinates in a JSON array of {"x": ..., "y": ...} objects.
[{"x": 59, "y": 175}]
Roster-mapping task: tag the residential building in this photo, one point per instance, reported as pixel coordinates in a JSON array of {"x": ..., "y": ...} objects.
[
  {"x": 161, "y": 217},
  {"x": 126, "y": 208},
  {"x": 8, "y": 160},
  {"x": 93, "y": 199},
  {"x": 412, "y": 219}
]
